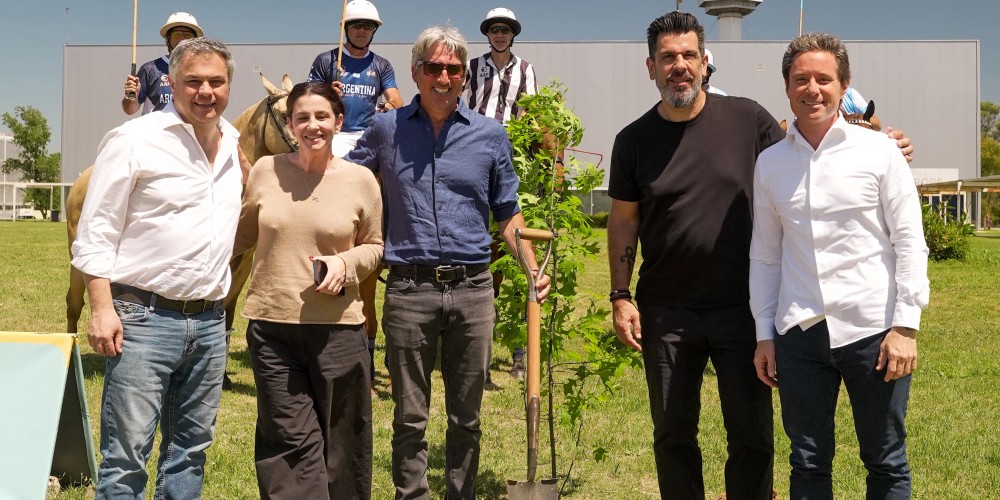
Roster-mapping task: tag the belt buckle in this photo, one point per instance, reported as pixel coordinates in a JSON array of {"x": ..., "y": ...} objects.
[{"x": 441, "y": 273}]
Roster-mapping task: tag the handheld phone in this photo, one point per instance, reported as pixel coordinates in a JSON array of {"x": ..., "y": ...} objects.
[{"x": 319, "y": 272}]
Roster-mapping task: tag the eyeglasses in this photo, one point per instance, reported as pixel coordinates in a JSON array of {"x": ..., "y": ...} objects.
[
  {"x": 455, "y": 71},
  {"x": 180, "y": 33},
  {"x": 369, "y": 26},
  {"x": 496, "y": 30}
]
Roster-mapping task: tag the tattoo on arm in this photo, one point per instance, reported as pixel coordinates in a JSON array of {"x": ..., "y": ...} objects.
[{"x": 628, "y": 259}]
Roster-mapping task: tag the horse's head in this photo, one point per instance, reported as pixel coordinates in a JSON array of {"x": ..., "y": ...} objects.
[
  {"x": 278, "y": 136},
  {"x": 263, "y": 127},
  {"x": 867, "y": 119}
]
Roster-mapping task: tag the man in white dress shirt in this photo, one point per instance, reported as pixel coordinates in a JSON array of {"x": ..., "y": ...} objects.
[
  {"x": 154, "y": 242},
  {"x": 838, "y": 277}
]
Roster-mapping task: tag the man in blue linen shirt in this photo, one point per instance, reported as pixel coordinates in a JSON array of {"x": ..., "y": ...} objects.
[
  {"x": 444, "y": 169},
  {"x": 838, "y": 277}
]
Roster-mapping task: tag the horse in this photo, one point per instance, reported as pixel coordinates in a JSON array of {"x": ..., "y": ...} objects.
[{"x": 263, "y": 131}]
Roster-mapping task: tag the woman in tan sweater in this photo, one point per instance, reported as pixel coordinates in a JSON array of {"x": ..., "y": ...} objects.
[{"x": 307, "y": 341}]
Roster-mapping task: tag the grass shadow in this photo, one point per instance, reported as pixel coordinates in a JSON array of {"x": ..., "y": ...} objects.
[
  {"x": 488, "y": 483},
  {"x": 92, "y": 365},
  {"x": 241, "y": 356}
]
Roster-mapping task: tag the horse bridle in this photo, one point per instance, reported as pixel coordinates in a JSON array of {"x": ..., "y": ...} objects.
[
  {"x": 859, "y": 120},
  {"x": 271, "y": 99}
]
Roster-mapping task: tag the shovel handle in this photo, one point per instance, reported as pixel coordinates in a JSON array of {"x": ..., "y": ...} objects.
[
  {"x": 526, "y": 233},
  {"x": 533, "y": 384}
]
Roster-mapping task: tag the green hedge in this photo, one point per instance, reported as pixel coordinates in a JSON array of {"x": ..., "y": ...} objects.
[{"x": 947, "y": 238}]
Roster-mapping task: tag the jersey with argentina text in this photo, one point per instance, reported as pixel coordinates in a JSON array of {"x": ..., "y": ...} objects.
[
  {"x": 364, "y": 79},
  {"x": 154, "y": 88}
]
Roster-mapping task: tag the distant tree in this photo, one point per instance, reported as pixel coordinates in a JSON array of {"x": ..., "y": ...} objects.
[
  {"x": 35, "y": 164},
  {"x": 989, "y": 156},
  {"x": 989, "y": 118}
]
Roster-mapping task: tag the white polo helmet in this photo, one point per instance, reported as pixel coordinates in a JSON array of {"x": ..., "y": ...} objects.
[
  {"x": 500, "y": 15},
  {"x": 361, "y": 10},
  {"x": 711, "y": 60},
  {"x": 181, "y": 19}
]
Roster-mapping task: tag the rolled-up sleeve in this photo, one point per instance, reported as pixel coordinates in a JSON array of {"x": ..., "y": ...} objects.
[{"x": 105, "y": 206}]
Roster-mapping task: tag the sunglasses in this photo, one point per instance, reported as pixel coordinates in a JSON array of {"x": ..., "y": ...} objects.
[
  {"x": 496, "y": 30},
  {"x": 434, "y": 69},
  {"x": 364, "y": 26}
]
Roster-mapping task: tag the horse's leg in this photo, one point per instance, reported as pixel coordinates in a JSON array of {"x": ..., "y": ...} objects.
[
  {"x": 74, "y": 299},
  {"x": 74, "y": 205},
  {"x": 240, "y": 267},
  {"x": 367, "y": 291}
]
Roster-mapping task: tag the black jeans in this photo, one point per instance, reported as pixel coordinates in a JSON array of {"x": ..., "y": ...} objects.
[
  {"x": 314, "y": 410},
  {"x": 676, "y": 346}
]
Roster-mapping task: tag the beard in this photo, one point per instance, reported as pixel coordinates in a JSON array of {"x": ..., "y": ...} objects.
[{"x": 680, "y": 98}]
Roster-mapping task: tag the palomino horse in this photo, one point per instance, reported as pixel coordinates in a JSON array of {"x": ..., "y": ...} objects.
[{"x": 262, "y": 132}]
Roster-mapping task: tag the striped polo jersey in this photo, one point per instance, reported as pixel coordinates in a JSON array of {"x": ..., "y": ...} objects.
[{"x": 493, "y": 92}]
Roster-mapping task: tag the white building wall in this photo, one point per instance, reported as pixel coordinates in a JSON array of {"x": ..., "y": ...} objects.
[{"x": 608, "y": 87}]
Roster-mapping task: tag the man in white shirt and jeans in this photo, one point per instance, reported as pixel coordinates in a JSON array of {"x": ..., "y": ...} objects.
[
  {"x": 838, "y": 277},
  {"x": 154, "y": 242}
]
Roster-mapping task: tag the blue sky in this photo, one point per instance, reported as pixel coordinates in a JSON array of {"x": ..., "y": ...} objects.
[{"x": 32, "y": 33}]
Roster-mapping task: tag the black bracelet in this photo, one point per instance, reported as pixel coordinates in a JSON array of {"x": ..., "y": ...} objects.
[{"x": 620, "y": 294}]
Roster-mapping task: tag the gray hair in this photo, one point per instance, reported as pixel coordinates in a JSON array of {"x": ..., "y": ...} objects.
[
  {"x": 823, "y": 42},
  {"x": 200, "y": 46},
  {"x": 449, "y": 36}
]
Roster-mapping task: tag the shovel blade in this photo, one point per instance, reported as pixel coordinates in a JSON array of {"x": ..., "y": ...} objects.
[{"x": 546, "y": 489}]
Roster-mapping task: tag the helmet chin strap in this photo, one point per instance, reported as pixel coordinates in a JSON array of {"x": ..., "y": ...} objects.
[
  {"x": 349, "y": 42},
  {"x": 509, "y": 45}
]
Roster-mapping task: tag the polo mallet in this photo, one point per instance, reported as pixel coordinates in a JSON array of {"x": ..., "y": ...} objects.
[
  {"x": 340, "y": 43},
  {"x": 135, "y": 17},
  {"x": 546, "y": 488}
]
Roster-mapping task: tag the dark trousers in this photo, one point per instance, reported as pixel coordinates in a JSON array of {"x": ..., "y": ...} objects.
[
  {"x": 676, "y": 346},
  {"x": 418, "y": 316},
  {"x": 314, "y": 410},
  {"x": 809, "y": 374}
]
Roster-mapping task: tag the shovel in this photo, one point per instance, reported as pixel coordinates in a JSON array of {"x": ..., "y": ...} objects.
[{"x": 545, "y": 489}]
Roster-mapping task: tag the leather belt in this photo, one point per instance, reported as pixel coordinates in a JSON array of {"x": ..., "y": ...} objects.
[
  {"x": 139, "y": 296},
  {"x": 441, "y": 274}
]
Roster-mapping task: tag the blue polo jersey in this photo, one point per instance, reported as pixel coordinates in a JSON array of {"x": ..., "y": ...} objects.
[
  {"x": 154, "y": 88},
  {"x": 364, "y": 79}
]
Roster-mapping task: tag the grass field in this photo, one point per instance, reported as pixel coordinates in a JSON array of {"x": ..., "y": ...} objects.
[{"x": 953, "y": 420}]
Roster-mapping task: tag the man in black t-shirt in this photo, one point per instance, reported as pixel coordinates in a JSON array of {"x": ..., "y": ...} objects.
[
  {"x": 681, "y": 183},
  {"x": 681, "y": 180}
]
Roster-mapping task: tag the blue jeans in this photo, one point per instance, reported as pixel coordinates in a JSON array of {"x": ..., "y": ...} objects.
[
  {"x": 418, "y": 316},
  {"x": 169, "y": 372},
  {"x": 809, "y": 376}
]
